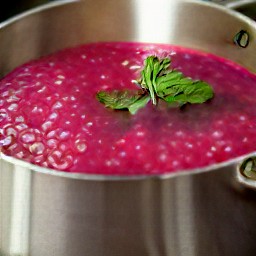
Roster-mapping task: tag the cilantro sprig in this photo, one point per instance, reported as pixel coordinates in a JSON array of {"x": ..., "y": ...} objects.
[{"x": 158, "y": 82}]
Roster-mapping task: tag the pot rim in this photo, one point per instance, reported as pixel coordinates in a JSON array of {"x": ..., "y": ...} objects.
[
  {"x": 119, "y": 177},
  {"x": 228, "y": 8},
  {"x": 238, "y": 4},
  {"x": 105, "y": 177}
]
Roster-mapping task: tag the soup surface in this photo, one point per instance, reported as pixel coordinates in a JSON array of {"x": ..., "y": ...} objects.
[{"x": 49, "y": 114}]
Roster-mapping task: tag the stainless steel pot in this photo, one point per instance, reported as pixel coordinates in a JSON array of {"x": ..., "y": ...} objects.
[{"x": 209, "y": 211}]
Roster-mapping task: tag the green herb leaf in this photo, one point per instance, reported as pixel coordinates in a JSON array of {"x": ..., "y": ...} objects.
[
  {"x": 173, "y": 87},
  {"x": 131, "y": 100},
  {"x": 158, "y": 82},
  {"x": 153, "y": 68},
  {"x": 138, "y": 104}
]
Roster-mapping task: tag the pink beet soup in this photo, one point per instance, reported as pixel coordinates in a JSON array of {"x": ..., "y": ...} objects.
[{"x": 49, "y": 114}]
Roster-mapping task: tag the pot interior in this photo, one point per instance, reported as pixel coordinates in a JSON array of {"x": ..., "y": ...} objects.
[{"x": 59, "y": 25}]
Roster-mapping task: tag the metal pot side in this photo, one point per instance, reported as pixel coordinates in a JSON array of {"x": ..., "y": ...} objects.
[{"x": 209, "y": 212}]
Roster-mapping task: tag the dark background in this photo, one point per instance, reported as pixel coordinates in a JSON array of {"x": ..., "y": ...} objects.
[{"x": 10, "y": 8}]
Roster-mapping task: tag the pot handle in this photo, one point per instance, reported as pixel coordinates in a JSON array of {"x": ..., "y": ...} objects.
[{"x": 246, "y": 172}]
